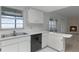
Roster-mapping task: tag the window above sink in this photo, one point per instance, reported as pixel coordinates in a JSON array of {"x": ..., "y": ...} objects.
[{"x": 11, "y": 18}]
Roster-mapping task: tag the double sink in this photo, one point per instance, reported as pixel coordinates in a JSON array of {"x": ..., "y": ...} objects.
[{"x": 13, "y": 34}]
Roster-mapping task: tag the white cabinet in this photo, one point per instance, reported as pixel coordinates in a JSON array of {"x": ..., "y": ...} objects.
[
  {"x": 17, "y": 44},
  {"x": 9, "y": 45},
  {"x": 56, "y": 42},
  {"x": 24, "y": 46},
  {"x": 44, "y": 39},
  {"x": 35, "y": 16},
  {"x": 53, "y": 40},
  {"x": 10, "y": 48}
]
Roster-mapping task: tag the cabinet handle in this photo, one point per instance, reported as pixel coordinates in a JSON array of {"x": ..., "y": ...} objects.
[
  {"x": 40, "y": 42},
  {"x": 0, "y": 49}
]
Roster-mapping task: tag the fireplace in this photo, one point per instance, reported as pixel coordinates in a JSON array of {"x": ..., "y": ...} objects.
[{"x": 73, "y": 28}]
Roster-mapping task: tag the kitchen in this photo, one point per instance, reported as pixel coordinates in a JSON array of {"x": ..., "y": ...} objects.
[{"x": 26, "y": 29}]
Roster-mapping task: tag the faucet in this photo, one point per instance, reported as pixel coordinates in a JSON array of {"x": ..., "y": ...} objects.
[{"x": 14, "y": 33}]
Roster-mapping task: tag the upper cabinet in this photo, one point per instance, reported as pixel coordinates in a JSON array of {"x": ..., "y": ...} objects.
[{"x": 35, "y": 16}]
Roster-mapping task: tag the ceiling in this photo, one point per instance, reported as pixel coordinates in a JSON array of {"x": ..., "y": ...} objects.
[
  {"x": 69, "y": 11},
  {"x": 60, "y": 10},
  {"x": 49, "y": 8}
]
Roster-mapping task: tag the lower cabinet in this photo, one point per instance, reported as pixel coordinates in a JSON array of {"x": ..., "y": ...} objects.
[
  {"x": 44, "y": 39},
  {"x": 20, "y": 44},
  {"x": 10, "y": 48},
  {"x": 24, "y": 46},
  {"x": 56, "y": 42}
]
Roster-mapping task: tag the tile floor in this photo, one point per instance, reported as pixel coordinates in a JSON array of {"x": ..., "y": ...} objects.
[{"x": 47, "y": 49}]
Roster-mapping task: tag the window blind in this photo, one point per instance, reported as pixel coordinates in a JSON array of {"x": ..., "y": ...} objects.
[{"x": 11, "y": 12}]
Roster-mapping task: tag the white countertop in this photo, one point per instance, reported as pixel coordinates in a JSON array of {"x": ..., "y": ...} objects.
[
  {"x": 36, "y": 32},
  {"x": 61, "y": 34},
  {"x": 18, "y": 36},
  {"x": 8, "y": 38}
]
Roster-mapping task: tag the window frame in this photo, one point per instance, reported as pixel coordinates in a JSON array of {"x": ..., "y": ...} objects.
[
  {"x": 53, "y": 27},
  {"x": 11, "y": 23},
  {"x": 20, "y": 23}
]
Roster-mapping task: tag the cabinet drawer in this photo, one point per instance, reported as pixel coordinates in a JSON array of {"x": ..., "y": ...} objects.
[
  {"x": 7, "y": 42},
  {"x": 10, "y": 48},
  {"x": 14, "y": 40},
  {"x": 24, "y": 38}
]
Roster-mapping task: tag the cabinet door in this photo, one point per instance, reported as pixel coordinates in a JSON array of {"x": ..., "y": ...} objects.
[
  {"x": 17, "y": 44},
  {"x": 56, "y": 42},
  {"x": 24, "y": 46},
  {"x": 35, "y": 16},
  {"x": 10, "y": 48},
  {"x": 44, "y": 39}
]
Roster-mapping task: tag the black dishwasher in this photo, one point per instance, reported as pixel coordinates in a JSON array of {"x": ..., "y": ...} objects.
[{"x": 36, "y": 42}]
